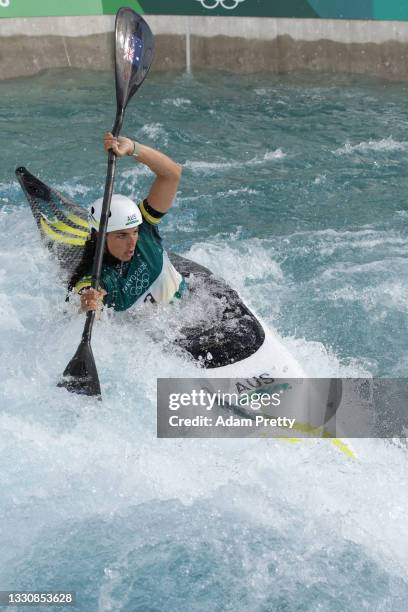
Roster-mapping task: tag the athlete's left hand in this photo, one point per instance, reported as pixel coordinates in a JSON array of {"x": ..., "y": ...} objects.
[
  {"x": 92, "y": 299},
  {"x": 121, "y": 145}
]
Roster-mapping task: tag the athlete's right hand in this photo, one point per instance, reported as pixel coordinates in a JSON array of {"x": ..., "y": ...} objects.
[
  {"x": 121, "y": 145},
  {"x": 91, "y": 299}
]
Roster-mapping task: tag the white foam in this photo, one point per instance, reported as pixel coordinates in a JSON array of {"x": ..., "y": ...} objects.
[
  {"x": 177, "y": 102},
  {"x": 320, "y": 361},
  {"x": 384, "y": 144},
  {"x": 66, "y": 459},
  {"x": 330, "y": 241},
  {"x": 134, "y": 182},
  {"x": 270, "y": 155},
  {"x": 204, "y": 167},
  {"x": 245, "y": 190},
  {"x": 347, "y": 268},
  {"x": 9, "y": 319},
  {"x": 12, "y": 186},
  {"x": 251, "y": 261},
  {"x": 383, "y": 295},
  {"x": 154, "y": 132},
  {"x": 261, "y": 91},
  {"x": 73, "y": 188}
]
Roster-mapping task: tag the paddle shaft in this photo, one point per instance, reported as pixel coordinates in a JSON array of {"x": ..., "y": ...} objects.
[{"x": 100, "y": 244}]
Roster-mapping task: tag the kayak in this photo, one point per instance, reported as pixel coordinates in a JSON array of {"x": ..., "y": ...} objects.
[{"x": 234, "y": 349}]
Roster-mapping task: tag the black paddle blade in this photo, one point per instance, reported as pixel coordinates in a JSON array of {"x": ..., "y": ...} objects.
[
  {"x": 134, "y": 54},
  {"x": 80, "y": 375}
]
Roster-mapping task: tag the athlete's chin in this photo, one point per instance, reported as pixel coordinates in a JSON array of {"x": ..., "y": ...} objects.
[{"x": 128, "y": 256}]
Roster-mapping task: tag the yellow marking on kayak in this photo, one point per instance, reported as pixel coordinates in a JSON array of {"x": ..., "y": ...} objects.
[
  {"x": 337, "y": 442},
  {"x": 63, "y": 227},
  {"x": 342, "y": 446},
  {"x": 48, "y": 231},
  {"x": 315, "y": 431},
  {"x": 318, "y": 433},
  {"x": 78, "y": 221}
]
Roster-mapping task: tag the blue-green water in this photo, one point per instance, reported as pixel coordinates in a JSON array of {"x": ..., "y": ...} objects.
[{"x": 293, "y": 190}]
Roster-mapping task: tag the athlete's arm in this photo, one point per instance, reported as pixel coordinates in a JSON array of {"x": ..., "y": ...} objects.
[{"x": 167, "y": 171}]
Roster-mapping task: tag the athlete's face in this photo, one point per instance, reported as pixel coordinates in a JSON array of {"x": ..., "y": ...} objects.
[{"x": 122, "y": 244}]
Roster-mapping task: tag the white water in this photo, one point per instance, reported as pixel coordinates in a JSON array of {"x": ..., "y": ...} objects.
[
  {"x": 91, "y": 499},
  {"x": 72, "y": 458}
]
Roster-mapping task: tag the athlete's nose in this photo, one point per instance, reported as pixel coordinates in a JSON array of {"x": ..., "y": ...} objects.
[{"x": 132, "y": 240}]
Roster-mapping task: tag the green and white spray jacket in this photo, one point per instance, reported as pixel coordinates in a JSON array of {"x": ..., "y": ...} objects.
[{"x": 148, "y": 276}]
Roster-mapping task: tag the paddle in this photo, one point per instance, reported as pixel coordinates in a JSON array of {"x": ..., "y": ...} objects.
[{"x": 134, "y": 47}]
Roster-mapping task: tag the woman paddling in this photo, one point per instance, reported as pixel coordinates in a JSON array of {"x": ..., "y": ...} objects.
[{"x": 135, "y": 268}]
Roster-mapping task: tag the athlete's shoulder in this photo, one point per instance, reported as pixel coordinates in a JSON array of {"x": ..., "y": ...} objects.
[{"x": 149, "y": 230}]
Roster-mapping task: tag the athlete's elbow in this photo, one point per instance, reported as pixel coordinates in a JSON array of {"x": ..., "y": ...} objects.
[
  {"x": 172, "y": 173},
  {"x": 176, "y": 172}
]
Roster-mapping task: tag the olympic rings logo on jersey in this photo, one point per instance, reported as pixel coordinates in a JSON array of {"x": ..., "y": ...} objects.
[
  {"x": 229, "y": 5},
  {"x": 140, "y": 285}
]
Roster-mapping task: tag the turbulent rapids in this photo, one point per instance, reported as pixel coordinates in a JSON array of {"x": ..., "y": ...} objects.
[{"x": 314, "y": 241}]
